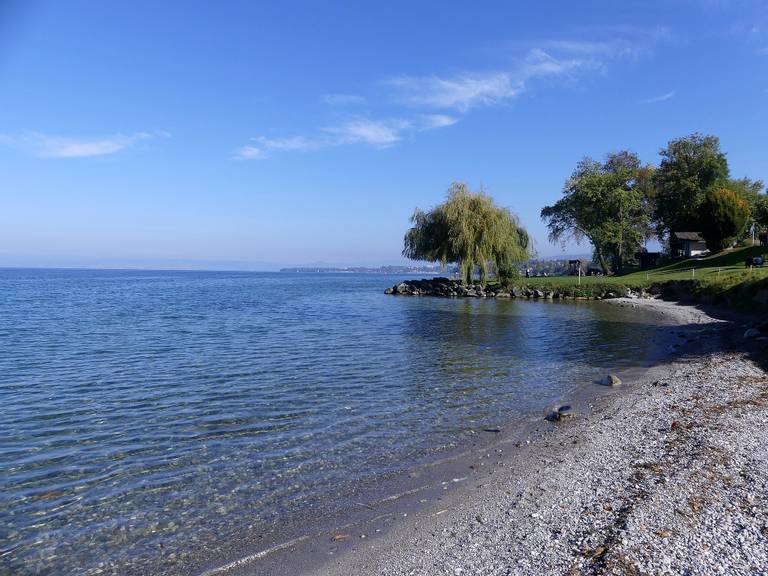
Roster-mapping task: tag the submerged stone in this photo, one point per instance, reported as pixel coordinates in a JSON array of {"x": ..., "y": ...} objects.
[
  {"x": 611, "y": 380},
  {"x": 752, "y": 333}
]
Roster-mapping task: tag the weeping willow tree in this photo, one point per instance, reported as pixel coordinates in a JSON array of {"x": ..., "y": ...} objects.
[{"x": 470, "y": 230}]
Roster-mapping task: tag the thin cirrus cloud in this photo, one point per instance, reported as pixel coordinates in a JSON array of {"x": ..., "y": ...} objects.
[
  {"x": 377, "y": 133},
  {"x": 434, "y": 121},
  {"x": 465, "y": 91},
  {"x": 55, "y": 146},
  {"x": 440, "y": 94},
  {"x": 261, "y": 146},
  {"x": 461, "y": 92},
  {"x": 660, "y": 98},
  {"x": 356, "y": 130},
  {"x": 433, "y": 102}
]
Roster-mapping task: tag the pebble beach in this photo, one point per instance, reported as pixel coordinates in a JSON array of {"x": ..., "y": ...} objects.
[{"x": 666, "y": 476}]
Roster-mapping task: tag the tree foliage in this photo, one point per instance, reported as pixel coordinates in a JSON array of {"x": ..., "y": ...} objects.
[
  {"x": 725, "y": 216},
  {"x": 760, "y": 214},
  {"x": 606, "y": 203},
  {"x": 469, "y": 229},
  {"x": 752, "y": 191},
  {"x": 690, "y": 166}
]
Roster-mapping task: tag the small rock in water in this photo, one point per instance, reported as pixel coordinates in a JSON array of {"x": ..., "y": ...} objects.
[
  {"x": 752, "y": 333},
  {"x": 552, "y": 416},
  {"x": 611, "y": 380}
]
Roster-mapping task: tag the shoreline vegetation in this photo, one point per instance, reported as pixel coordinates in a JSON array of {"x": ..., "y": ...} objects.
[
  {"x": 690, "y": 203},
  {"x": 720, "y": 279}
]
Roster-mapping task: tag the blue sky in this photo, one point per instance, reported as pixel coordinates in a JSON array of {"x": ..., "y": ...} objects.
[{"x": 253, "y": 135}]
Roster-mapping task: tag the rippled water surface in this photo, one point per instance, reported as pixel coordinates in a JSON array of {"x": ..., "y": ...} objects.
[{"x": 147, "y": 415}]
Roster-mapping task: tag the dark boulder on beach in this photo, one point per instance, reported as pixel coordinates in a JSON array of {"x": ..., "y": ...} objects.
[{"x": 564, "y": 412}]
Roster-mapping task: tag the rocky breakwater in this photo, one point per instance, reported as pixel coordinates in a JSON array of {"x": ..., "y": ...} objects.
[{"x": 450, "y": 288}]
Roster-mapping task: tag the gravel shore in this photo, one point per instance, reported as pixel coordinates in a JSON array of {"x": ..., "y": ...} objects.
[{"x": 668, "y": 476}]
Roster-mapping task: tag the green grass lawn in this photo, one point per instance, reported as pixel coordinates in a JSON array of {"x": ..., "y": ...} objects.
[
  {"x": 718, "y": 266},
  {"x": 721, "y": 277}
]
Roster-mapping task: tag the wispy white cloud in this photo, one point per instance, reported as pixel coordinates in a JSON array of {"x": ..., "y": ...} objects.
[
  {"x": 565, "y": 59},
  {"x": 377, "y": 133},
  {"x": 434, "y": 121},
  {"x": 292, "y": 143},
  {"x": 250, "y": 153},
  {"x": 469, "y": 90},
  {"x": 355, "y": 130},
  {"x": 261, "y": 146},
  {"x": 435, "y": 101},
  {"x": 660, "y": 98},
  {"x": 343, "y": 99},
  {"x": 459, "y": 92},
  {"x": 54, "y": 146}
]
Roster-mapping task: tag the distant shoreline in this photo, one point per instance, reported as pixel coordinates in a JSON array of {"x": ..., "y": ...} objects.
[{"x": 365, "y": 270}]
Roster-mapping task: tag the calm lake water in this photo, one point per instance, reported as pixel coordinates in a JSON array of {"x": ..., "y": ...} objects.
[{"x": 145, "y": 416}]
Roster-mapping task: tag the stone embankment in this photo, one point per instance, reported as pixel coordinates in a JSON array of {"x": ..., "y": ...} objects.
[{"x": 447, "y": 287}]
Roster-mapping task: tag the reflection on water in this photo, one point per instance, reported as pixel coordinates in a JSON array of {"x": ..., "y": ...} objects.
[{"x": 146, "y": 415}]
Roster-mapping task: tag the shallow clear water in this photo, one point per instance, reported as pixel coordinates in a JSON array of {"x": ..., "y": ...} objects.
[{"x": 145, "y": 415}]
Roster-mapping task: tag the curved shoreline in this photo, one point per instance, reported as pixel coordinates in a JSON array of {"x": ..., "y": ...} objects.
[
  {"x": 380, "y": 540},
  {"x": 668, "y": 476}
]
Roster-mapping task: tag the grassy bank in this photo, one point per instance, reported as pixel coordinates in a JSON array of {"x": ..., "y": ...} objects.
[{"x": 721, "y": 278}]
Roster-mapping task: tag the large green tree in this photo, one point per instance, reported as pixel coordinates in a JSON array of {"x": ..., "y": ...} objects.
[
  {"x": 725, "y": 216},
  {"x": 690, "y": 166},
  {"x": 470, "y": 230},
  {"x": 752, "y": 191},
  {"x": 760, "y": 214},
  {"x": 606, "y": 203}
]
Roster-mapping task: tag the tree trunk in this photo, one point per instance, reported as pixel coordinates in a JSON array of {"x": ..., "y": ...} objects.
[
  {"x": 601, "y": 260},
  {"x": 465, "y": 272}
]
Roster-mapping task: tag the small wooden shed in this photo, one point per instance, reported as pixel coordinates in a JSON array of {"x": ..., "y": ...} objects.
[{"x": 687, "y": 244}]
